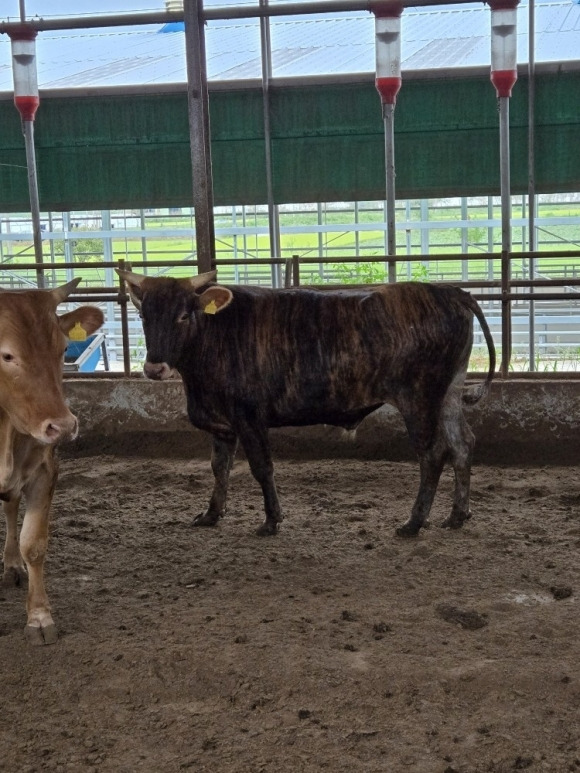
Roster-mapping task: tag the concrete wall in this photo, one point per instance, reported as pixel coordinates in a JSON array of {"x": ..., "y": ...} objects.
[{"x": 521, "y": 421}]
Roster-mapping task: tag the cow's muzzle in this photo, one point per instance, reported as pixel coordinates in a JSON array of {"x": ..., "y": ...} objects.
[
  {"x": 158, "y": 371},
  {"x": 53, "y": 431}
]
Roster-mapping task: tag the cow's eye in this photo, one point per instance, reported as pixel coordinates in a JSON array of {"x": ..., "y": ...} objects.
[
  {"x": 7, "y": 357},
  {"x": 183, "y": 317}
]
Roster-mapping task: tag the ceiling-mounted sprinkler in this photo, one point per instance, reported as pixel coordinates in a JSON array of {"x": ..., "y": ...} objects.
[
  {"x": 504, "y": 45},
  {"x": 388, "y": 82},
  {"x": 388, "y": 50},
  {"x": 23, "y": 40}
]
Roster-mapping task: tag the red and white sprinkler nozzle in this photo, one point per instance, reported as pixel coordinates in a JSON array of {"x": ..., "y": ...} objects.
[
  {"x": 388, "y": 50},
  {"x": 23, "y": 40},
  {"x": 504, "y": 45}
]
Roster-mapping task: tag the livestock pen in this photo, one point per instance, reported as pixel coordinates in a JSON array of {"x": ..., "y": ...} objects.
[{"x": 334, "y": 645}]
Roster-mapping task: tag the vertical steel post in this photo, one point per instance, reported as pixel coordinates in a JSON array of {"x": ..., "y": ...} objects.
[
  {"x": 531, "y": 171},
  {"x": 389, "y": 119},
  {"x": 108, "y": 257},
  {"x": 199, "y": 133},
  {"x": 503, "y": 76},
  {"x": 273, "y": 215},
  {"x": 123, "y": 298},
  {"x": 504, "y": 156},
  {"x": 28, "y": 131},
  {"x": 388, "y": 83}
]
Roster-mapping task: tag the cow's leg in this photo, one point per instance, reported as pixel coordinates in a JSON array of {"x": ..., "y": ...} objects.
[
  {"x": 422, "y": 420},
  {"x": 40, "y": 627},
  {"x": 14, "y": 568},
  {"x": 431, "y": 464},
  {"x": 257, "y": 447},
  {"x": 222, "y": 460},
  {"x": 460, "y": 441}
]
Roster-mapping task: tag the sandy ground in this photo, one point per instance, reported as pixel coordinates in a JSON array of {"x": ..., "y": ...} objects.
[{"x": 334, "y": 646}]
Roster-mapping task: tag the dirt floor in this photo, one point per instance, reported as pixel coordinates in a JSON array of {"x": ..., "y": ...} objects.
[{"x": 334, "y": 646}]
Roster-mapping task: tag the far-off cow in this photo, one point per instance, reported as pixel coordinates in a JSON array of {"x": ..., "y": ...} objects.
[
  {"x": 253, "y": 358},
  {"x": 34, "y": 418}
]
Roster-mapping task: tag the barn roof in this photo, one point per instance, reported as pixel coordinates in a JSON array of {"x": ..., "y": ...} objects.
[{"x": 434, "y": 39}]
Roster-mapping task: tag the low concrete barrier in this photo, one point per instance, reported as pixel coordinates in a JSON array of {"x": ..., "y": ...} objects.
[{"x": 522, "y": 421}]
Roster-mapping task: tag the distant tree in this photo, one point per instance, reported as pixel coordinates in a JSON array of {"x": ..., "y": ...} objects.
[{"x": 84, "y": 248}]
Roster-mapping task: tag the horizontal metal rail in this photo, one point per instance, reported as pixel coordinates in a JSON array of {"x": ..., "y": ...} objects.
[
  {"x": 221, "y": 13},
  {"x": 518, "y": 291}
]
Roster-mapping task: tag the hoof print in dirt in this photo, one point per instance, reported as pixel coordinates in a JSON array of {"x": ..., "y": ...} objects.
[
  {"x": 560, "y": 592},
  {"x": 468, "y": 619}
]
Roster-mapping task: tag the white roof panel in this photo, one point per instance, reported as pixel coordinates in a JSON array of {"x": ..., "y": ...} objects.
[{"x": 432, "y": 39}]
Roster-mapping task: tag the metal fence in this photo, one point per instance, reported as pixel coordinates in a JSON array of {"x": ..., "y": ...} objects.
[{"x": 535, "y": 322}]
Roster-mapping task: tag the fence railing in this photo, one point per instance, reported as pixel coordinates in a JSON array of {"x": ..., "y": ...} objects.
[{"x": 516, "y": 308}]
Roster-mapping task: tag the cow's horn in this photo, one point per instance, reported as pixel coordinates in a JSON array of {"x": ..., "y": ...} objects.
[
  {"x": 130, "y": 277},
  {"x": 202, "y": 279},
  {"x": 61, "y": 293}
]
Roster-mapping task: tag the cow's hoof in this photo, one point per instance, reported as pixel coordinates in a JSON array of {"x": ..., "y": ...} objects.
[
  {"x": 14, "y": 576},
  {"x": 38, "y": 636},
  {"x": 455, "y": 520},
  {"x": 206, "y": 519},
  {"x": 407, "y": 530},
  {"x": 268, "y": 529}
]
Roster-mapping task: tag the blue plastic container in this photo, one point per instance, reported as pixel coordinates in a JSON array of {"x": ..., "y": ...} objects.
[{"x": 76, "y": 348}]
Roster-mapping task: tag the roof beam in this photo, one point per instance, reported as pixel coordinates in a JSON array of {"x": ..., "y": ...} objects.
[{"x": 219, "y": 13}]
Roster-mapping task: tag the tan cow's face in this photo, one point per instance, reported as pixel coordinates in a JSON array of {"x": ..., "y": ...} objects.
[{"x": 32, "y": 345}]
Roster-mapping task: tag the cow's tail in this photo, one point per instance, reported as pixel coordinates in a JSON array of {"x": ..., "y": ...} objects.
[{"x": 474, "y": 393}]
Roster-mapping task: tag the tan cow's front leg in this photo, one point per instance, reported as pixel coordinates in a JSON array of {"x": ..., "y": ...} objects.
[
  {"x": 40, "y": 627},
  {"x": 14, "y": 569}
]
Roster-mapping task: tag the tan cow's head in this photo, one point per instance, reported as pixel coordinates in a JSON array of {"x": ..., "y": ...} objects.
[{"x": 32, "y": 345}]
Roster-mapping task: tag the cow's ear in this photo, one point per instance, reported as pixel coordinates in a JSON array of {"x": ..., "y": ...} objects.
[
  {"x": 133, "y": 282},
  {"x": 215, "y": 299},
  {"x": 90, "y": 319}
]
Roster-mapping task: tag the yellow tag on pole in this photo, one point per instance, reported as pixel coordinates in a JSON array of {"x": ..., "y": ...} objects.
[{"x": 78, "y": 333}]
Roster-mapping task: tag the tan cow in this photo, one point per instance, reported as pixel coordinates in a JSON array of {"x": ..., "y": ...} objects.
[{"x": 34, "y": 418}]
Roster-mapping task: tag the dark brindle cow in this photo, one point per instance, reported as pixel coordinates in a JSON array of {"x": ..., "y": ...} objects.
[
  {"x": 33, "y": 419},
  {"x": 253, "y": 358}
]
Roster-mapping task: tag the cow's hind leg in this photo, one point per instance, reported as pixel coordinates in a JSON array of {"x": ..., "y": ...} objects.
[
  {"x": 431, "y": 464},
  {"x": 222, "y": 460},
  {"x": 14, "y": 568},
  {"x": 422, "y": 421},
  {"x": 257, "y": 447},
  {"x": 40, "y": 627},
  {"x": 460, "y": 442}
]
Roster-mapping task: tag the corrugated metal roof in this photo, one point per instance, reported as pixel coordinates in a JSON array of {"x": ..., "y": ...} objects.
[{"x": 433, "y": 38}]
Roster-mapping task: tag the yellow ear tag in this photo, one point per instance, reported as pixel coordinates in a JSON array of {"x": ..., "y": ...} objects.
[
  {"x": 78, "y": 333},
  {"x": 211, "y": 307}
]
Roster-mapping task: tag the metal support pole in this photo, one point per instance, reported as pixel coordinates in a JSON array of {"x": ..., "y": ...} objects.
[
  {"x": 504, "y": 156},
  {"x": 531, "y": 171},
  {"x": 28, "y": 131},
  {"x": 273, "y": 215},
  {"x": 123, "y": 298},
  {"x": 199, "y": 133},
  {"x": 389, "y": 119},
  {"x": 108, "y": 257}
]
